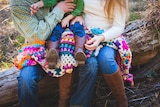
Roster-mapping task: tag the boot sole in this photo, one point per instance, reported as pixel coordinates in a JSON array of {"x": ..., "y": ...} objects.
[
  {"x": 81, "y": 58},
  {"x": 52, "y": 58}
]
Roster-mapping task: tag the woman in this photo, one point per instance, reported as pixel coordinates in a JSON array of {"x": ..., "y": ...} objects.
[{"x": 109, "y": 15}]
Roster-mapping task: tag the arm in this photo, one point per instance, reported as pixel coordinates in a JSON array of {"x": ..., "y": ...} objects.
[
  {"x": 76, "y": 12},
  {"x": 114, "y": 31},
  {"x": 32, "y": 28},
  {"x": 79, "y": 7},
  {"x": 66, "y": 20},
  {"x": 49, "y": 3},
  {"x": 38, "y": 27},
  {"x": 118, "y": 25}
]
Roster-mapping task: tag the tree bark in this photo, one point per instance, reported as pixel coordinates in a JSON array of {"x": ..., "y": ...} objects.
[{"x": 8, "y": 87}]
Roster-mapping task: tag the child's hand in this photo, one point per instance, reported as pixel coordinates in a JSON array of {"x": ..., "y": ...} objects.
[
  {"x": 65, "y": 22},
  {"x": 35, "y": 7},
  {"x": 79, "y": 19}
]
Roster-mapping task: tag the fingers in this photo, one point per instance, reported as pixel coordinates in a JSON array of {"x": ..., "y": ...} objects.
[
  {"x": 64, "y": 25},
  {"x": 78, "y": 19},
  {"x": 90, "y": 47},
  {"x": 69, "y": 6},
  {"x": 72, "y": 22},
  {"x": 33, "y": 11},
  {"x": 91, "y": 44},
  {"x": 91, "y": 41},
  {"x": 34, "y": 8},
  {"x": 66, "y": 6}
]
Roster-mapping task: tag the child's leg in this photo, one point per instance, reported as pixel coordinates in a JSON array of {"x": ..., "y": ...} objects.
[
  {"x": 80, "y": 40},
  {"x": 53, "y": 46}
]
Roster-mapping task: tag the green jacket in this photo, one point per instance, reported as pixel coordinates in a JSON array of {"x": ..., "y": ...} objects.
[
  {"x": 77, "y": 11},
  {"x": 38, "y": 26}
]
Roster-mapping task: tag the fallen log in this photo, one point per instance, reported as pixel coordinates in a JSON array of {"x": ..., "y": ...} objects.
[
  {"x": 150, "y": 69},
  {"x": 143, "y": 36},
  {"x": 8, "y": 87}
]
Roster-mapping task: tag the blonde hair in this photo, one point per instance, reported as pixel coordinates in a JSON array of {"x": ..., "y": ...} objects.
[{"x": 110, "y": 6}]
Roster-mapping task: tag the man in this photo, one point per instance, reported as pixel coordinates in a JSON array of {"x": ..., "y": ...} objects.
[{"x": 39, "y": 27}]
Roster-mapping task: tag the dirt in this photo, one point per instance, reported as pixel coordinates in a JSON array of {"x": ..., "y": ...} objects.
[{"x": 8, "y": 36}]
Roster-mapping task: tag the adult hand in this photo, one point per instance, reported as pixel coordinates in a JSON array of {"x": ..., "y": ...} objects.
[
  {"x": 66, "y": 6},
  {"x": 78, "y": 19},
  {"x": 93, "y": 43}
]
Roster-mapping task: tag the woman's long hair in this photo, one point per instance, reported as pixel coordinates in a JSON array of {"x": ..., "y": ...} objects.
[{"x": 110, "y": 7}]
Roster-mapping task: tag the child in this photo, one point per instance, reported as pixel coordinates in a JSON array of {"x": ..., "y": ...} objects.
[{"x": 77, "y": 29}]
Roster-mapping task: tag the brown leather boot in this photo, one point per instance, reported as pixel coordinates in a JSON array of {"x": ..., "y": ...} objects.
[
  {"x": 64, "y": 89},
  {"x": 80, "y": 56},
  {"x": 115, "y": 82},
  {"x": 52, "y": 54}
]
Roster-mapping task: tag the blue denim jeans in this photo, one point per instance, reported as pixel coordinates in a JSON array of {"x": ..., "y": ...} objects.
[
  {"x": 31, "y": 75},
  {"x": 76, "y": 28},
  {"x": 106, "y": 60},
  {"x": 87, "y": 78}
]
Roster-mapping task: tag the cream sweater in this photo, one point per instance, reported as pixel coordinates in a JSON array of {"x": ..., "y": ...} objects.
[{"x": 94, "y": 16}]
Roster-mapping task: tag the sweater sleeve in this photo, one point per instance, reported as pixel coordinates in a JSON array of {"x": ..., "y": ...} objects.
[
  {"x": 79, "y": 8},
  {"x": 34, "y": 28},
  {"x": 118, "y": 25},
  {"x": 49, "y": 3}
]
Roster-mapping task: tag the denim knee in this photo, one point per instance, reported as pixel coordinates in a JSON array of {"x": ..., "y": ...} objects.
[
  {"x": 106, "y": 60},
  {"x": 77, "y": 29},
  {"x": 56, "y": 33},
  {"x": 30, "y": 76},
  {"x": 92, "y": 63}
]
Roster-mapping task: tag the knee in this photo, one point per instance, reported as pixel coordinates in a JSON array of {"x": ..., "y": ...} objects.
[
  {"x": 28, "y": 76},
  {"x": 106, "y": 61},
  {"x": 25, "y": 82},
  {"x": 92, "y": 65},
  {"x": 92, "y": 62},
  {"x": 78, "y": 29}
]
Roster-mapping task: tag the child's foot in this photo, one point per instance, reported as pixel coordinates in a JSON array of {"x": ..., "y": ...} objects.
[
  {"x": 80, "y": 57},
  {"x": 52, "y": 58}
]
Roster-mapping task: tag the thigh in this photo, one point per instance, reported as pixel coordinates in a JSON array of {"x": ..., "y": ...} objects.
[
  {"x": 106, "y": 60},
  {"x": 32, "y": 73}
]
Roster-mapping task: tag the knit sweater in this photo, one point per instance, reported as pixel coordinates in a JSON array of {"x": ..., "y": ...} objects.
[
  {"x": 37, "y": 27},
  {"x": 94, "y": 16},
  {"x": 76, "y": 12}
]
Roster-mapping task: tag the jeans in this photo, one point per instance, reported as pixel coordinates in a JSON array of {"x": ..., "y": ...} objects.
[
  {"x": 76, "y": 28},
  {"x": 31, "y": 75},
  {"x": 87, "y": 78},
  {"x": 106, "y": 60}
]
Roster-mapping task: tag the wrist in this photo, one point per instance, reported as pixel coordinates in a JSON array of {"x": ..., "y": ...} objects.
[
  {"x": 70, "y": 17},
  {"x": 41, "y": 4},
  {"x": 102, "y": 38}
]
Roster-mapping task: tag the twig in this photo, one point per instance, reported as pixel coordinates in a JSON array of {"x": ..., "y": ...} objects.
[
  {"x": 4, "y": 7},
  {"x": 142, "y": 98},
  {"x": 129, "y": 90}
]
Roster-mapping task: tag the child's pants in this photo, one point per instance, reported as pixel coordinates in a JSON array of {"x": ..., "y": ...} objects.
[{"x": 77, "y": 29}]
